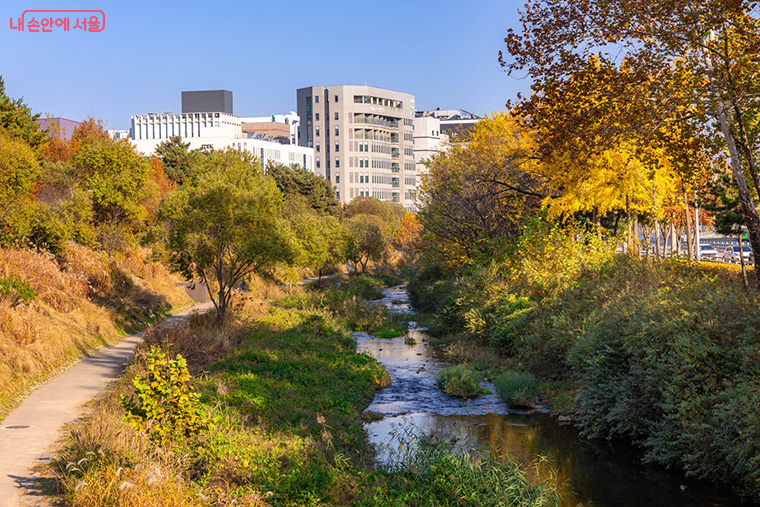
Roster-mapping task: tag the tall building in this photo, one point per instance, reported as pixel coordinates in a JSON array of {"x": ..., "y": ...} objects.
[{"x": 363, "y": 140}]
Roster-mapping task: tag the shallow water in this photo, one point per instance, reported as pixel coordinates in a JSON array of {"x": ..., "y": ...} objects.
[{"x": 596, "y": 472}]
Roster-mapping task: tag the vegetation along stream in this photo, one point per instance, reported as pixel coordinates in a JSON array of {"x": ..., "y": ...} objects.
[{"x": 595, "y": 472}]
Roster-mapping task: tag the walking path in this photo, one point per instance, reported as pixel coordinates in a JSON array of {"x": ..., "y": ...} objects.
[{"x": 29, "y": 431}]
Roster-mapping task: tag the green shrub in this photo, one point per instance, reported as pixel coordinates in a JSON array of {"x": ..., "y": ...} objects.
[
  {"x": 459, "y": 380},
  {"x": 519, "y": 389},
  {"x": 20, "y": 290},
  {"x": 167, "y": 406}
]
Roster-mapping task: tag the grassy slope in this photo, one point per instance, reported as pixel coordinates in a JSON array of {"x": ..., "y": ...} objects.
[{"x": 83, "y": 302}]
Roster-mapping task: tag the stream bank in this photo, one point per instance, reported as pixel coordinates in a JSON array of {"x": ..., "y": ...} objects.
[{"x": 595, "y": 472}]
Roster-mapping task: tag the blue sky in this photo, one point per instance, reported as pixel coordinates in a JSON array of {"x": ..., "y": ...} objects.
[{"x": 444, "y": 52}]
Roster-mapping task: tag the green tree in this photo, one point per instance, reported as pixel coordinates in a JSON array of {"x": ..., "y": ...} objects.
[
  {"x": 363, "y": 241},
  {"x": 476, "y": 196},
  {"x": 117, "y": 177},
  {"x": 318, "y": 191},
  {"x": 19, "y": 175},
  {"x": 390, "y": 213},
  {"x": 177, "y": 158},
  {"x": 17, "y": 118},
  {"x": 226, "y": 224}
]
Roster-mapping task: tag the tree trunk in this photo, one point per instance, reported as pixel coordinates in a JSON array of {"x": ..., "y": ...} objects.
[
  {"x": 636, "y": 236},
  {"x": 657, "y": 251},
  {"x": 673, "y": 249},
  {"x": 751, "y": 218},
  {"x": 689, "y": 244},
  {"x": 741, "y": 259}
]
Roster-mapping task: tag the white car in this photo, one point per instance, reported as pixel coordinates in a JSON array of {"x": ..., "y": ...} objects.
[
  {"x": 731, "y": 254},
  {"x": 707, "y": 252}
]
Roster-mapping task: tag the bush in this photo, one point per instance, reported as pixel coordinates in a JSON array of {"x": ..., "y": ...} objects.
[
  {"x": 459, "y": 380},
  {"x": 520, "y": 389},
  {"x": 19, "y": 290},
  {"x": 167, "y": 406}
]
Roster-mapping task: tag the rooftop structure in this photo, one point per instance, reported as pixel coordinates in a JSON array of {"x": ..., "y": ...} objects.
[{"x": 207, "y": 101}]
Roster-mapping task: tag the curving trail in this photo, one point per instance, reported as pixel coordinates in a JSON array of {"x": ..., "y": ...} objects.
[{"x": 34, "y": 426}]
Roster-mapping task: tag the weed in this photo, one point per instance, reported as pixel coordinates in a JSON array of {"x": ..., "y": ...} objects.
[
  {"x": 520, "y": 389},
  {"x": 459, "y": 380}
]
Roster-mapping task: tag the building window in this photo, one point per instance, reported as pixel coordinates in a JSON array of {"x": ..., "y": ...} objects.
[
  {"x": 361, "y": 146},
  {"x": 337, "y": 175},
  {"x": 361, "y": 162},
  {"x": 316, "y": 147},
  {"x": 336, "y": 114},
  {"x": 316, "y": 131},
  {"x": 316, "y": 116},
  {"x": 316, "y": 99},
  {"x": 337, "y": 162},
  {"x": 318, "y": 163},
  {"x": 337, "y": 147},
  {"x": 336, "y": 131},
  {"x": 336, "y": 100}
]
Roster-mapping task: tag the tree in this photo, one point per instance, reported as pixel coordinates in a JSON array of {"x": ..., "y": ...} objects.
[
  {"x": 318, "y": 191},
  {"x": 723, "y": 201},
  {"x": 708, "y": 52},
  {"x": 177, "y": 158},
  {"x": 118, "y": 179},
  {"x": 225, "y": 224},
  {"x": 390, "y": 213},
  {"x": 407, "y": 237},
  {"x": 364, "y": 241},
  {"x": 19, "y": 175},
  {"x": 17, "y": 118},
  {"x": 476, "y": 196}
]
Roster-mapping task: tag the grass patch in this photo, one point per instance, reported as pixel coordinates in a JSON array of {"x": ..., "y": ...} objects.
[
  {"x": 424, "y": 470},
  {"x": 459, "y": 380},
  {"x": 18, "y": 290},
  {"x": 519, "y": 389},
  {"x": 392, "y": 328}
]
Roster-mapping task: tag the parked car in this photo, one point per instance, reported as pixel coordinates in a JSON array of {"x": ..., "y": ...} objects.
[
  {"x": 707, "y": 252},
  {"x": 731, "y": 254}
]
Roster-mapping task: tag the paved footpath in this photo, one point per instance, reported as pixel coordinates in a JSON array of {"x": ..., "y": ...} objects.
[{"x": 34, "y": 426}]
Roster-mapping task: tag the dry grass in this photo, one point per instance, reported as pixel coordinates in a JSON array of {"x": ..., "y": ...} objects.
[
  {"x": 104, "y": 458},
  {"x": 198, "y": 338},
  {"x": 81, "y": 305}
]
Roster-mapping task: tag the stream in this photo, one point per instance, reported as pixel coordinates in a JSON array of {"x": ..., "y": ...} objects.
[{"x": 595, "y": 472}]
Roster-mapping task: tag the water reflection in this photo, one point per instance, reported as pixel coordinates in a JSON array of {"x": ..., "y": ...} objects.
[{"x": 596, "y": 472}]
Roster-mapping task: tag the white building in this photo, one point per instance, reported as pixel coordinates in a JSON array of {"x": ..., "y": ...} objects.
[
  {"x": 428, "y": 140},
  {"x": 292, "y": 119},
  {"x": 118, "y": 134},
  {"x": 287, "y": 154},
  {"x": 216, "y": 131}
]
